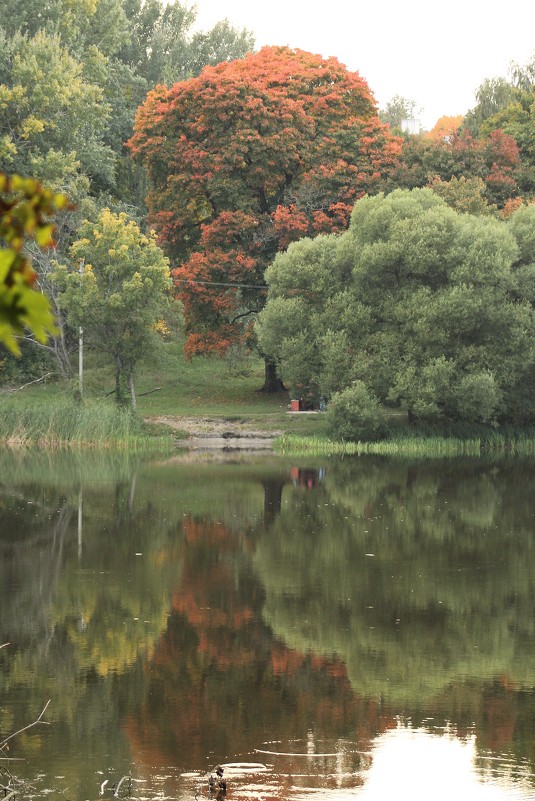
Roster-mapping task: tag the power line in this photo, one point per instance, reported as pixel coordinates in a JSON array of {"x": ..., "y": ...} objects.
[
  {"x": 221, "y": 283},
  {"x": 238, "y": 286}
]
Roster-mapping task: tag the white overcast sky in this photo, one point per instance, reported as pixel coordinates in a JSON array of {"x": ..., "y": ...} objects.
[{"x": 435, "y": 53}]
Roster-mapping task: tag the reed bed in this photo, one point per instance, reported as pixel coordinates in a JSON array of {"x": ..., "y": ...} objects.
[
  {"x": 411, "y": 446},
  {"x": 60, "y": 424}
]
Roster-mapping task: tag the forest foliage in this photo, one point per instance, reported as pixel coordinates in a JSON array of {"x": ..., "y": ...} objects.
[
  {"x": 233, "y": 155},
  {"x": 71, "y": 79}
]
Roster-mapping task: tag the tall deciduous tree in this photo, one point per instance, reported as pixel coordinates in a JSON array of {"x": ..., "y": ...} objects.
[
  {"x": 122, "y": 293},
  {"x": 162, "y": 47},
  {"x": 246, "y": 158},
  {"x": 508, "y": 105},
  {"x": 495, "y": 159},
  {"x": 48, "y": 105},
  {"x": 398, "y": 109},
  {"x": 493, "y": 95}
]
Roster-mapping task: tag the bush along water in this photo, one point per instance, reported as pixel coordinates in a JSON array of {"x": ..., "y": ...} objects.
[
  {"x": 358, "y": 424},
  {"x": 355, "y": 414}
]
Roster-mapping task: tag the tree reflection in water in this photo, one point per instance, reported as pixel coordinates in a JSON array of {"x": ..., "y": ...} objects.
[{"x": 239, "y": 608}]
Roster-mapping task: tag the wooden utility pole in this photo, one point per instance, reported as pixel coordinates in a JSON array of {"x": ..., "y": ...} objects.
[{"x": 81, "y": 347}]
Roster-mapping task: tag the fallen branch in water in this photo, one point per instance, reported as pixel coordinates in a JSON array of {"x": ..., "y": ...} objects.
[
  {"x": 25, "y": 728},
  {"x": 14, "y": 786},
  {"x": 125, "y": 778}
]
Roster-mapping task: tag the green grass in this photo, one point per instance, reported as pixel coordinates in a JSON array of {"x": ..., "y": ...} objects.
[{"x": 201, "y": 387}]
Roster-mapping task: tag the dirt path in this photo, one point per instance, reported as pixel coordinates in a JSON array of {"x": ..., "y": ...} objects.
[{"x": 216, "y": 433}]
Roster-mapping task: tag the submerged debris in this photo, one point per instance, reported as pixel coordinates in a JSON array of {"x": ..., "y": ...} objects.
[{"x": 216, "y": 784}]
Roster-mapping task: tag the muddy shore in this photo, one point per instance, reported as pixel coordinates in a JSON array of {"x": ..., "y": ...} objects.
[{"x": 217, "y": 433}]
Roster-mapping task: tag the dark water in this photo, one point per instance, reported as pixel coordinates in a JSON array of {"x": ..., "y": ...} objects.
[{"x": 357, "y": 628}]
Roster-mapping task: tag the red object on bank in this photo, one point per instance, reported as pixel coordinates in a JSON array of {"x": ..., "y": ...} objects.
[{"x": 295, "y": 405}]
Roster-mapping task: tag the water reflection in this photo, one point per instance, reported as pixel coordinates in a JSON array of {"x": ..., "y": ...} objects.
[
  {"x": 280, "y": 618},
  {"x": 419, "y": 764}
]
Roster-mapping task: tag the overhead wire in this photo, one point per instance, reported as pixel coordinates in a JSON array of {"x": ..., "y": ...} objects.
[{"x": 238, "y": 286}]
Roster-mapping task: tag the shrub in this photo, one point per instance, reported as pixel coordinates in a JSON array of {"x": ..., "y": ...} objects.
[
  {"x": 478, "y": 398},
  {"x": 355, "y": 414}
]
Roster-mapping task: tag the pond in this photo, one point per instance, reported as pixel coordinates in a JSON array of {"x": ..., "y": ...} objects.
[{"x": 355, "y": 628}]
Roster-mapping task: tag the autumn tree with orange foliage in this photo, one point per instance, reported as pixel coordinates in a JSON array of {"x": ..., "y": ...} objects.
[
  {"x": 494, "y": 159},
  {"x": 246, "y": 158},
  {"x": 444, "y": 127}
]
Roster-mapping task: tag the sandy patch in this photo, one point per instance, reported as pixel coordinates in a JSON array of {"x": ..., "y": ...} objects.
[{"x": 217, "y": 433}]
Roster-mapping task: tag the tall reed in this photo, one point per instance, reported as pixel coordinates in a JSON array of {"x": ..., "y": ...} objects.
[
  {"x": 413, "y": 446},
  {"x": 56, "y": 424}
]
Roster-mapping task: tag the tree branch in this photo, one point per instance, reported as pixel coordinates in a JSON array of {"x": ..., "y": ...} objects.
[
  {"x": 25, "y": 728},
  {"x": 35, "y": 381},
  {"x": 244, "y": 314},
  {"x": 148, "y": 392}
]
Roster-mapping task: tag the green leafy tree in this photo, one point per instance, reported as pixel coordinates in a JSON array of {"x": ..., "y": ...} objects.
[
  {"x": 522, "y": 225},
  {"x": 398, "y": 109},
  {"x": 508, "y": 105},
  {"x": 72, "y": 74},
  {"x": 492, "y": 96},
  {"x": 53, "y": 123},
  {"x": 463, "y": 194},
  {"x": 162, "y": 48},
  {"x": 79, "y": 23},
  {"x": 48, "y": 106},
  {"x": 121, "y": 295},
  {"x": 423, "y": 304}
]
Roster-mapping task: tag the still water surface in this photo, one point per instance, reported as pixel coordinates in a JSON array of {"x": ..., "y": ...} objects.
[{"x": 349, "y": 629}]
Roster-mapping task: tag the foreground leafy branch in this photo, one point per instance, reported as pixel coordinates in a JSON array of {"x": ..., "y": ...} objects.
[{"x": 26, "y": 211}]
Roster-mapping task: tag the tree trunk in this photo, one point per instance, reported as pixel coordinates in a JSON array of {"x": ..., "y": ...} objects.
[
  {"x": 61, "y": 351},
  {"x": 272, "y": 382},
  {"x": 120, "y": 394},
  {"x": 272, "y": 498},
  {"x": 132, "y": 390}
]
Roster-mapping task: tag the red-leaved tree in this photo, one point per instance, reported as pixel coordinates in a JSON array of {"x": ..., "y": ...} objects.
[{"x": 242, "y": 160}]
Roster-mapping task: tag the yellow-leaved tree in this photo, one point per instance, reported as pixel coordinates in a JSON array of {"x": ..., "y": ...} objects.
[{"x": 123, "y": 291}]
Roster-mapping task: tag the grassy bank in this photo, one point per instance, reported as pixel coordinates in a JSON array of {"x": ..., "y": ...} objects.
[
  {"x": 227, "y": 388},
  {"x": 167, "y": 386}
]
